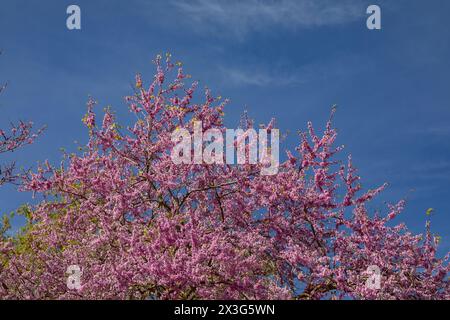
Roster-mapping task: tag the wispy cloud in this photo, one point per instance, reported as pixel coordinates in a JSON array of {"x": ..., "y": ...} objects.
[
  {"x": 240, "y": 17},
  {"x": 431, "y": 130},
  {"x": 441, "y": 131},
  {"x": 432, "y": 170},
  {"x": 281, "y": 73},
  {"x": 256, "y": 77}
]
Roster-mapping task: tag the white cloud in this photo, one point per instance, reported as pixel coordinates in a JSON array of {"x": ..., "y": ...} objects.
[
  {"x": 431, "y": 131},
  {"x": 443, "y": 131},
  {"x": 284, "y": 74},
  {"x": 259, "y": 78},
  {"x": 240, "y": 17}
]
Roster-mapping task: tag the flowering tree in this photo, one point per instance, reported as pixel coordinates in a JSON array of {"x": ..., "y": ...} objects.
[{"x": 140, "y": 226}]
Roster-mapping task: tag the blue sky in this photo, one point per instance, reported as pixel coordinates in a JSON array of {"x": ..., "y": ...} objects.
[{"x": 289, "y": 59}]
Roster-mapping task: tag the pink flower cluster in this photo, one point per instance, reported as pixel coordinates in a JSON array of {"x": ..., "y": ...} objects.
[{"x": 143, "y": 227}]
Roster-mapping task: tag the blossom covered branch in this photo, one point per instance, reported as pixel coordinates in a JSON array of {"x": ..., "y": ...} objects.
[{"x": 143, "y": 227}]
